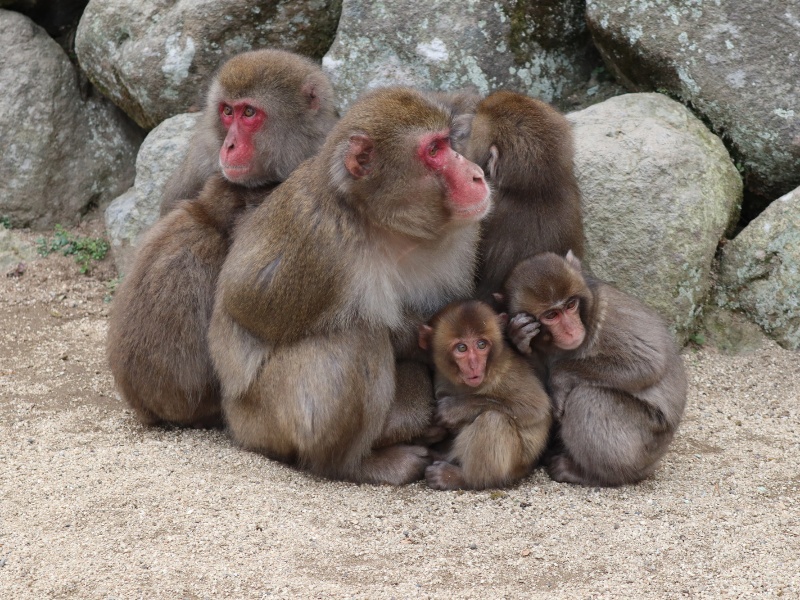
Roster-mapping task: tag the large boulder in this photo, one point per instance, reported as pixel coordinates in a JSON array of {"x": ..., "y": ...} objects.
[
  {"x": 61, "y": 154},
  {"x": 153, "y": 58},
  {"x": 659, "y": 192},
  {"x": 131, "y": 214},
  {"x": 760, "y": 271},
  {"x": 735, "y": 62},
  {"x": 535, "y": 47}
]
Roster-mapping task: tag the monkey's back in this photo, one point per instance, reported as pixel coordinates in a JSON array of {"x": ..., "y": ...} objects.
[{"x": 157, "y": 346}]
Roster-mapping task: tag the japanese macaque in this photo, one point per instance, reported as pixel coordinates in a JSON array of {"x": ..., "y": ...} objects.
[
  {"x": 266, "y": 112},
  {"x": 615, "y": 377},
  {"x": 525, "y": 147},
  {"x": 157, "y": 331},
  {"x": 381, "y": 225},
  {"x": 487, "y": 395}
]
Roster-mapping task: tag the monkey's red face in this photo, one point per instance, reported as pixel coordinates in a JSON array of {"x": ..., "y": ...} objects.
[
  {"x": 564, "y": 325},
  {"x": 471, "y": 353},
  {"x": 242, "y": 120},
  {"x": 468, "y": 193}
]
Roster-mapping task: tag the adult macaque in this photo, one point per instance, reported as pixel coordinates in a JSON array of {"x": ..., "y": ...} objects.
[
  {"x": 487, "y": 395},
  {"x": 266, "y": 112},
  {"x": 615, "y": 377},
  {"x": 273, "y": 110},
  {"x": 525, "y": 147},
  {"x": 382, "y": 223},
  {"x": 157, "y": 345}
]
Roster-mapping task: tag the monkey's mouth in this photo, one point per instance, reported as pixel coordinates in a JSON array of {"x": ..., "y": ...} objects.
[
  {"x": 475, "y": 212},
  {"x": 473, "y": 380},
  {"x": 234, "y": 172}
]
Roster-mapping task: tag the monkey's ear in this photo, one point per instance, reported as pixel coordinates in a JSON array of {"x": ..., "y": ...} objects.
[
  {"x": 573, "y": 260},
  {"x": 311, "y": 95},
  {"x": 425, "y": 333},
  {"x": 494, "y": 158},
  {"x": 360, "y": 153},
  {"x": 502, "y": 319},
  {"x": 462, "y": 124}
]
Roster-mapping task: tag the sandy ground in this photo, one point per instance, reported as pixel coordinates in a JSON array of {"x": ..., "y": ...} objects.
[{"x": 93, "y": 505}]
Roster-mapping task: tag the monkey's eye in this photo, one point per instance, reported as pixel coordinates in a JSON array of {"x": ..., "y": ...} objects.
[
  {"x": 550, "y": 315},
  {"x": 572, "y": 304},
  {"x": 461, "y": 348},
  {"x": 249, "y": 111},
  {"x": 433, "y": 149},
  {"x": 227, "y": 110},
  {"x": 482, "y": 344}
]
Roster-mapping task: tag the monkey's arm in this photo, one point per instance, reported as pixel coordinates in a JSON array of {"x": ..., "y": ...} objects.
[
  {"x": 454, "y": 412},
  {"x": 521, "y": 331}
]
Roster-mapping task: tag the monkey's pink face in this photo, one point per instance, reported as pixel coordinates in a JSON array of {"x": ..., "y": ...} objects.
[
  {"x": 468, "y": 194},
  {"x": 242, "y": 120},
  {"x": 471, "y": 353},
  {"x": 564, "y": 325}
]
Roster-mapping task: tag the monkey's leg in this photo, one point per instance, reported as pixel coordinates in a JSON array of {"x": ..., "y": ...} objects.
[
  {"x": 489, "y": 451},
  {"x": 411, "y": 413},
  {"x": 608, "y": 439},
  {"x": 325, "y": 404}
]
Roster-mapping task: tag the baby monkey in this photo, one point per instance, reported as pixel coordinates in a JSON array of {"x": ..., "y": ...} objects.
[
  {"x": 614, "y": 374},
  {"x": 487, "y": 395}
]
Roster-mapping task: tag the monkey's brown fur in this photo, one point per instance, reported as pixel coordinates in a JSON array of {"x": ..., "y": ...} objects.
[
  {"x": 157, "y": 345},
  {"x": 502, "y": 425},
  {"x": 619, "y": 396},
  {"x": 299, "y": 101},
  {"x": 320, "y": 278},
  {"x": 525, "y": 147}
]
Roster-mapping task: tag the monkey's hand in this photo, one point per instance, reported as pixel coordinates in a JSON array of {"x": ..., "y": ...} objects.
[
  {"x": 451, "y": 413},
  {"x": 521, "y": 330}
]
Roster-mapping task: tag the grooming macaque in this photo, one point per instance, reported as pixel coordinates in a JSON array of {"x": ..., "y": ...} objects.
[
  {"x": 266, "y": 112},
  {"x": 615, "y": 377},
  {"x": 381, "y": 224},
  {"x": 525, "y": 147},
  {"x": 487, "y": 395},
  {"x": 157, "y": 345}
]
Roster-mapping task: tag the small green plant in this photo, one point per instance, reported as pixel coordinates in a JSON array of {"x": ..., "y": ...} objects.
[
  {"x": 85, "y": 249},
  {"x": 5, "y": 221},
  {"x": 698, "y": 338},
  {"x": 111, "y": 287}
]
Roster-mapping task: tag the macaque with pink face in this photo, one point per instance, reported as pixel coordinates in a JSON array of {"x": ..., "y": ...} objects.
[
  {"x": 322, "y": 280},
  {"x": 487, "y": 396},
  {"x": 615, "y": 377},
  {"x": 266, "y": 112}
]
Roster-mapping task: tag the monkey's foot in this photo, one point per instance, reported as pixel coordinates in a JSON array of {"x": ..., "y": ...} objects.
[
  {"x": 395, "y": 465},
  {"x": 443, "y": 475},
  {"x": 564, "y": 470}
]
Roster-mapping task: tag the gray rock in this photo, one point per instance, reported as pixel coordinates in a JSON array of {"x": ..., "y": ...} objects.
[
  {"x": 735, "y": 62},
  {"x": 538, "y": 48},
  {"x": 61, "y": 154},
  {"x": 153, "y": 58},
  {"x": 130, "y": 215},
  {"x": 760, "y": 271},
  {"x": 659, "y": 192}
]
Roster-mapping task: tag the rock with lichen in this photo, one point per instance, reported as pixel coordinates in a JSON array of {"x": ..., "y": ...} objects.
[
  {"x": 760, "y": 271},
  {"x": 736, "y": 63},
  {"x": 153, "y": 58},
  {"x": 539, "y": 48},
  {"x": 659, "y": 193}
]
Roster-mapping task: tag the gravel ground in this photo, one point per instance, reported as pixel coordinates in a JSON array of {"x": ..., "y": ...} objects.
[{"x": 93, "y": 505}]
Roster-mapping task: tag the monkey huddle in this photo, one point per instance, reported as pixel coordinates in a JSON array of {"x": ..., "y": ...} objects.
[{"x": 309, "y": 273}]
